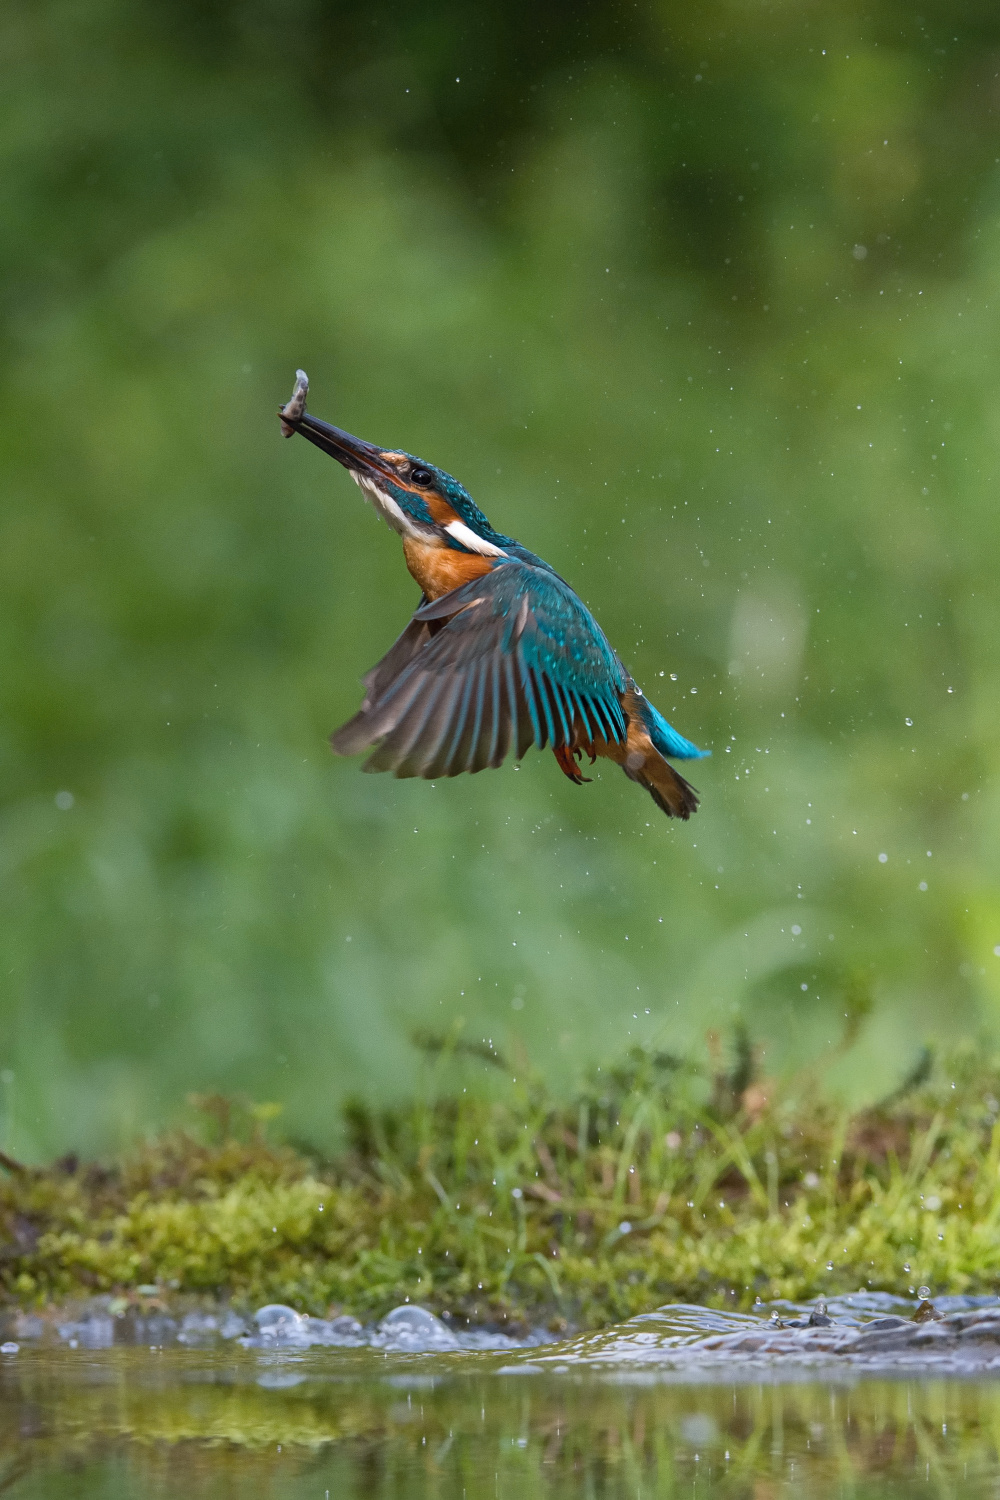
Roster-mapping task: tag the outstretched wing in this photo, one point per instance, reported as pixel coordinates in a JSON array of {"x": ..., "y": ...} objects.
[
  {"x": 509, "y": 660},
  {"x": 399, "y": 655}
]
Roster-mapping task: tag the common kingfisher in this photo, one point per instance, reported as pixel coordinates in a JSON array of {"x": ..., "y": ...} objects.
[{"x": 499, "y": 654}]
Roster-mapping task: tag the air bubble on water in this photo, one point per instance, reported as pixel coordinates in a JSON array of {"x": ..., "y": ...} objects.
[{"x": 276, "y": 1315}]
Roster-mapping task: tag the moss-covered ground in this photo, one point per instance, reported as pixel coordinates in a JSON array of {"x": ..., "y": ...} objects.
[{"x": 658, "y": 1182}]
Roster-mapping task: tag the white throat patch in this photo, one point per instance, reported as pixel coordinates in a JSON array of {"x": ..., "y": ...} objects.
[
  {"x": 386, "y": 506},
  {"x": 396, "y": 517}
]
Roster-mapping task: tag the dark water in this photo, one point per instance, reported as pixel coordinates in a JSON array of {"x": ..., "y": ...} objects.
[{"x": 679, "y": 1402}]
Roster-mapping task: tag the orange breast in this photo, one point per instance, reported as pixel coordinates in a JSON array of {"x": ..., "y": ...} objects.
[{"x": 439, "y": 569}]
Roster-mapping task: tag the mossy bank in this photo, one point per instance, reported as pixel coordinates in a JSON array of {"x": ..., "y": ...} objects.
[{"x": 658, "y": 1182}]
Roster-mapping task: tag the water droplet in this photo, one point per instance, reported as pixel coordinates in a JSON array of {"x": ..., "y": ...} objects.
[
  {"x": 829, "y": 1265},
  {"x": 909, "y": 723},
  {"x": 923, "y": 1292}
]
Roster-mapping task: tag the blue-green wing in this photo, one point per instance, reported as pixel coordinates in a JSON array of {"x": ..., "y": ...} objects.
[{"x": 510, "y": 660}]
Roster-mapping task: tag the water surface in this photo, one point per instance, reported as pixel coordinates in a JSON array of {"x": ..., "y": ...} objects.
[{"x": 676, "y": 1402}]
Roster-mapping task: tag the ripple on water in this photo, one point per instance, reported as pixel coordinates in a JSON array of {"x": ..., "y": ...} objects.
[{"x": 866, "y": 1331}]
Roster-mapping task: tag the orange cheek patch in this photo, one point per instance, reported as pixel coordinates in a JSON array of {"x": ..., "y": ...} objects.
[
  {"x": 440, "y": 510},
  {"x": 438, "y": 569}
]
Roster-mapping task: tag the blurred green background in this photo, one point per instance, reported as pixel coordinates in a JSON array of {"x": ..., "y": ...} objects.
[{"x": 702, "y": 303}]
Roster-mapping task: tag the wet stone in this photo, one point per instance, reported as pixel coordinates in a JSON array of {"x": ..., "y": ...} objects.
[{"x": 958, "y": 1339}]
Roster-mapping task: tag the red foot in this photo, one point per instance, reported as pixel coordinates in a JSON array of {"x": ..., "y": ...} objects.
[{"x": 566, "y": 759}]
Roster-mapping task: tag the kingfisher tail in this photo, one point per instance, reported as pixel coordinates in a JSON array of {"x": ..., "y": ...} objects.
[
  {"x": 669, "y": 790},
  {"x": 642, "y": 756}
]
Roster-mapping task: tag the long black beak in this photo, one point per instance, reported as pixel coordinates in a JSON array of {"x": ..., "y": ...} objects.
[{"x": 354, "y": 453}]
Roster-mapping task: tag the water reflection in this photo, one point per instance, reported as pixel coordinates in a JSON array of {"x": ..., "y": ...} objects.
[{"x": 364, "y": 1422}]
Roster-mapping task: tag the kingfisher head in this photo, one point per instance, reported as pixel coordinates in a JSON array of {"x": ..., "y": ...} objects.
[{"x": 413, "y": 496}]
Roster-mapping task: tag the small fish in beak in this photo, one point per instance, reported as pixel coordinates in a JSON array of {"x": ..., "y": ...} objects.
[{"x": 294, "y": 410}]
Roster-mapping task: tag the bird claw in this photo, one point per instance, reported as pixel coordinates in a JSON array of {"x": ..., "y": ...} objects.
[
  {"x": 294, "y": 409},
  {"x": 566, "y": 760}
]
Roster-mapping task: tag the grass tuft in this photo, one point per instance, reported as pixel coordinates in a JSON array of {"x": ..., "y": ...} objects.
[{"x": 658, "y": 1182}]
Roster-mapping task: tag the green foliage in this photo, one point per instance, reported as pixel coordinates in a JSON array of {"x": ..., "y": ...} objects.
[
  {"x": 656, "y": 1184},
  {"x": 701, "y": 304}
]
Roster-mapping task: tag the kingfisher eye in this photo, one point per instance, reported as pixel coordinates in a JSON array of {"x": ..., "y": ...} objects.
[{"x": 421, "y": 476}]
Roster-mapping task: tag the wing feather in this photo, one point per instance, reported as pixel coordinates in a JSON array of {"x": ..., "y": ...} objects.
[
  {"x": 425, "y": 754},
  {"x": 495, "y": 720},
  {"x": 549, "y": 729},
  {"x": 477, "y": 758},
  {"x": 509, "y": 660},
  {"x": 408, "y": 725},
  {"x": 564, "y": 734},
  {"x": 454, "y": 760},
  {"x": 399, "y": 655},
  {"x": 531, "y": 703}
]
